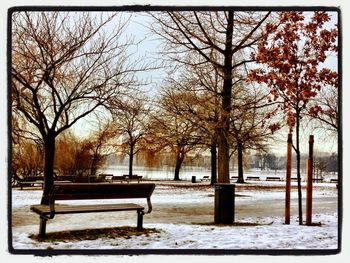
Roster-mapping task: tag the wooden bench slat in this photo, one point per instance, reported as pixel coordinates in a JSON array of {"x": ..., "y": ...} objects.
[
  {"x": 82, "y": 191},
  {"x": 69, "y": 209}
]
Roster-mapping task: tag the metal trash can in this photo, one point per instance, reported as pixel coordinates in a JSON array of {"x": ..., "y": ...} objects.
[
  {"x": 224, "y": 212},
  {"x": 193, "y": 179}
]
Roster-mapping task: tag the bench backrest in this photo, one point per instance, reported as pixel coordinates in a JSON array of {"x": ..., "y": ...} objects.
[
  {"x": 34, "y": 178},
  {"x": 80, "y": 191}
]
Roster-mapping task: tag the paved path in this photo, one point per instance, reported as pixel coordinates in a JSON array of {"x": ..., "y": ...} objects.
[
  {"x": 204, "y": 212},
  {"x": 191, "y": 206}
]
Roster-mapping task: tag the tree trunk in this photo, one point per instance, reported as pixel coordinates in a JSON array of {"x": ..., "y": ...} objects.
[
  {"x": 213, "y": 179},
  {"x": 223, "y": 145},
  {"x": 49, "y": 155},
  {"x": 131, "y": 160},
  {"x": 240, "y": 162},
  {"x": 300, "y": 207},
  {"x": 179, "y": 161},
  {"x": 93, "y": 168}
]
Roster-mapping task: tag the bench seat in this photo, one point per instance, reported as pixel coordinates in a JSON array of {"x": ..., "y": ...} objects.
[{"x": 44, "y": 210}]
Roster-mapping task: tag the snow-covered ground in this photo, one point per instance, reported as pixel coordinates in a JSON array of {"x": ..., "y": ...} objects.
[{"x": 184, "y": 217}]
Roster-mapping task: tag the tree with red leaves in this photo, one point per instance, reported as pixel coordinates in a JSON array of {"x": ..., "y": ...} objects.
[{"x": 292, "y": 57}]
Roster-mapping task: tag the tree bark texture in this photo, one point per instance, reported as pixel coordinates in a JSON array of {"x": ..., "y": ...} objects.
[
  {"x": 240, "y": 162},
  {"x": 179, "y": 161},
  {"x": 49, "y": 158},
  {"x": 288, "y": 177},
  {"x": 131, "y": 160},
  {"x": 213, "y": 153},
  {"x": 300, "y": 205},
  {"x": 223, "y": 131}
]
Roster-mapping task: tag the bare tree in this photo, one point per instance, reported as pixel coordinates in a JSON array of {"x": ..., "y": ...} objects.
[
  {"x": 172, "y": 130},
  {"x": 26, "y": 158},
  {"x": 130, "y": 121},
  {"x": 199, "y": 101},
  {"x": 325, "y": 108},
  {"x": 221, "y": 39},
  {"x": 67, "y": 146},
  {"x": 249, "y": 126},
  {"x": 64, "y": 66},
  {"x": 99, "y": 144}
]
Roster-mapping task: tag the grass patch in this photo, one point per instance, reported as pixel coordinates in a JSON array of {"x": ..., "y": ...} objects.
[{"x": 93, "y": 234}]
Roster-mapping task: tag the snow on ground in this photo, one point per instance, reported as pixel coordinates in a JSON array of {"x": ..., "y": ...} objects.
[
  {"x": 186, "y": 236},
  {"x": 184, "y": 217}
]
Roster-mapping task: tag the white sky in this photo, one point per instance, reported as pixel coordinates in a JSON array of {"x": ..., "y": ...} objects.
[{"x": 149, "y": 47}]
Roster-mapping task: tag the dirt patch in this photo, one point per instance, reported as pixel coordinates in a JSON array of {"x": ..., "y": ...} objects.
[
  {"x": 233, "y": 224},
  {"x": 92, "y": 234}
]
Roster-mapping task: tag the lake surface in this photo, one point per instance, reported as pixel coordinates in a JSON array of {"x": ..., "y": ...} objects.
[{"x": 186, "y": 173}]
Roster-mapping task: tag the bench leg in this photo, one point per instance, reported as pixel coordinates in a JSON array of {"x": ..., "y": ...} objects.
[
  {"x": 140, "y": 214},
  {"x": 42, "y": 227}
]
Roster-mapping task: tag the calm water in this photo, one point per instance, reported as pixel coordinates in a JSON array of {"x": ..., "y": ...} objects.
[{"x": 186, "y": 173}]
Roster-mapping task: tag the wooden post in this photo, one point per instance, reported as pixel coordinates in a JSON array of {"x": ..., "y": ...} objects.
[
  {"x": 288, "y": 177},
  {"x": 309, "y": 182}
]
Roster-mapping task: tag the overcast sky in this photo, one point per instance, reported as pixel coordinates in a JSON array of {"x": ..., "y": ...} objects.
[{"x": 149, "y": 47}]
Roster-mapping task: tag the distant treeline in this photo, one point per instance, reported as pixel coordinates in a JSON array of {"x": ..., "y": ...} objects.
[{"x": 325, "y": 162}]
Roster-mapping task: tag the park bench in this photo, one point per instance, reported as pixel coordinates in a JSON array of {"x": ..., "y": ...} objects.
[
  {"x": 295, "y": 179},
  {"x": 333, "y": 181},
  {"x": 115, "y": 178},
  {"x": 119, "y": 178},
  {"x": 90, "y": 191},
  {"x": 205, "y": 178},
  {"x": 65, "y": 178},
  {"x": 108, "y": 177},
  {"x": 317, "y": 180},
  {"x": 31, "y": 181},
  {"x": 252, "y": 178},
  {"x": 273, "y": 178},
  {"x": 134, "y": 177},
  {"x": 234, "y": 177}
]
